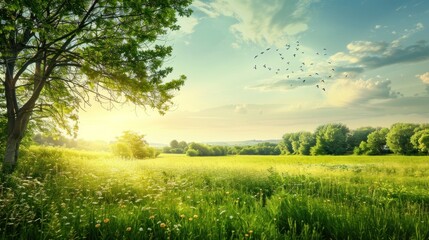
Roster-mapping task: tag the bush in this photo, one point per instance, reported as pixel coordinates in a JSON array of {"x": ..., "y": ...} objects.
[{"x": 192, "y": 153}]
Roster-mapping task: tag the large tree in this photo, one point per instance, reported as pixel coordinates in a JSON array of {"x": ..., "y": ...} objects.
[
  {"x": 331, "y": 139},
  {"x": 399, "y": 138},
  {"x": 56, "y": 54}
]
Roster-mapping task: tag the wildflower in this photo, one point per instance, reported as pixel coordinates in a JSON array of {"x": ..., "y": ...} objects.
[
  {"x": 152, "y": 217},
  {"x": 195, "y": 216},
  {"x": 106, "y": 220},
  {"x": 162, "y": 225},
  {"x": 97, "y": 225},
  {"x": 128, "y": 229},
  {"x": 141, "y": 229},
  {"x": 182, "y": 215},
  {"x": 250, "y": 232},
  {"x": 190, "y": 219},
  {"x": 246, "y": 235}
]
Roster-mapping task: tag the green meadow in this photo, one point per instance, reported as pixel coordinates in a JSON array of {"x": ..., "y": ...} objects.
[{"x": 65, "y": 194}]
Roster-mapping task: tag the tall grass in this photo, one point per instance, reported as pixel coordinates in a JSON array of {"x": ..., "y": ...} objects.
[{"x": 64, "y": 194}]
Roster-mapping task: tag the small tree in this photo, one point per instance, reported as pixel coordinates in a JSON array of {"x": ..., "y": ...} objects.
[{"x": 133, "y": 145}]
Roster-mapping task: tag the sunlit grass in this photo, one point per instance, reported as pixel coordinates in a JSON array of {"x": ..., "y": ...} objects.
[{"x": 66, "y": 194}]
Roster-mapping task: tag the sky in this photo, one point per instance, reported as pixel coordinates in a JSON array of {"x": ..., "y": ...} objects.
[{"x": 365, "y": 63}]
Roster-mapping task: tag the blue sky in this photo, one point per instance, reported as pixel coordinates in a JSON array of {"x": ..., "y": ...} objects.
[{"x": 372, "y": 55}]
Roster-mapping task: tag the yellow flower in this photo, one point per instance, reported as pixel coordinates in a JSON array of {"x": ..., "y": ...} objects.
[
  {"x": 182, "y": 216},
  {"x": 152, "y": 217},
  {"x": 190, "y": 219},
  {"x": 128, "y": 229},
  {"x": 106, "y": 220},
  {"x": 246, "y": 235},
  {"x": 162, "y": 225},
  {"x": 250, "y": 232},
  {"x": 97, "y": 225},
  {"x": 195, "y": 216}
]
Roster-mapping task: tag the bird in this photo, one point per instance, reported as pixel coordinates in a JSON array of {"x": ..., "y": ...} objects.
[
  {"x": 323, "y": 89},
  {"x": 254, "y": 67},
  {"x": 317, "y": 85},
  {"x": 277, "y": 50},
  {"x": 317, "y": 53},
  {"x": 268, "y": 49},
  {"x": 303, "y": 81},
  {"x": 265, "y": 66},
  {"x": 329, "y": 62},
  {"x": 255, "y": 56},
  {"x": 333, "y": 69},
  {"x": 330, "y": 76},
  {"x": 282, "y": 58},
  {"x": 322, "y": 80},
  {"x": 316, "y": 73},
  {"x": 269, "y": 68},
  {"x": 294, "y": 55},
  {"x": 324, "y": 49},
  {"x": 262, "y": 52}
]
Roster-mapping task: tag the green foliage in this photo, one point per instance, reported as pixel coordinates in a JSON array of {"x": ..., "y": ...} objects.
[
  {"x": 331, "y": 139},
  {"x": 176, "y": 147},
  {"x": 398, "y": 138},
  {"x": 420, "y": 141},
  {"x": 132, "y": 145},
  {"x": 357, "y": 136},
  {"x": 375, "y": 144},
  {"x": 199, "y": 149},
  {"x": 260, "y": 149}
]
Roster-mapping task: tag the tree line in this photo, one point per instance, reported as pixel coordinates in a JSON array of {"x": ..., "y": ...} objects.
[
  {"x": 338, "y": 139},
  {"x": 328, "y": 139}
]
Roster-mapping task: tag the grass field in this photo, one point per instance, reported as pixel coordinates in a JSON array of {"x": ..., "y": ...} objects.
[{"x": 65, "y": 194}]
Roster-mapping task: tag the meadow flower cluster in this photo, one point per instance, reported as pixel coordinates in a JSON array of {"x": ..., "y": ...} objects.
[{"x": 63, "y": 194}]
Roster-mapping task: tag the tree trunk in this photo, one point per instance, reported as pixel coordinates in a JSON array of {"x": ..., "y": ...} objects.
[{"x": 11, "y": 155}]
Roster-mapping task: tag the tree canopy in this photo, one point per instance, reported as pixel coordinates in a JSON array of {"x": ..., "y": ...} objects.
[{"x": 56, "y": 55}]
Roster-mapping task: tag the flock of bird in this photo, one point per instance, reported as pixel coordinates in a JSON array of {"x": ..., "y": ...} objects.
[{"x": 294, "y": 70}]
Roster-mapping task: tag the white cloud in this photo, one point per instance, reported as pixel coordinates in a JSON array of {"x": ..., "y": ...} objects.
[
  {"x": 424, "y": 77},
  {"x": 346, "y": 92},
  {"x": 205, "y": 8},
  {"x": 271, "y": 22},
  {"x": 241, "y": 109},
  {"x": 370, "y": 55},
  {"x": 235, "y": 45},
  {"x": 187, "y": 24},
  {"x": 366, "y": 47}
]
